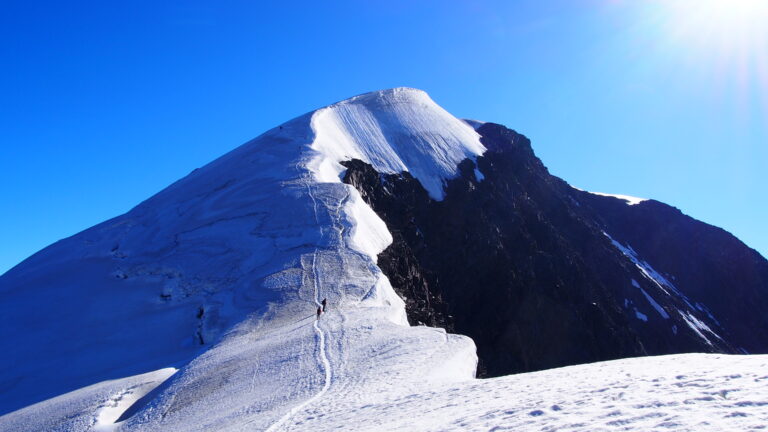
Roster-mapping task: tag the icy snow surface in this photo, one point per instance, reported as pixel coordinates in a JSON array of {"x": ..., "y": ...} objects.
[{"x": 195, "y": 311}]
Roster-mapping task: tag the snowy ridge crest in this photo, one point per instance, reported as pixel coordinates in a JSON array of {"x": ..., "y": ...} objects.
[{"x": 219, "y": 276}]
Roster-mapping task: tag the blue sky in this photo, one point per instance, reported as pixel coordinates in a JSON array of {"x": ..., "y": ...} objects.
[{"x": 106, "y": 103}]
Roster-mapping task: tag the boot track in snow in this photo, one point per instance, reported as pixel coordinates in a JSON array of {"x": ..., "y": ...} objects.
[{"x": 321, "y": 337}]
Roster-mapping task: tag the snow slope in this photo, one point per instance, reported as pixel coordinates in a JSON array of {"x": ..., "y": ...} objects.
[
  {"x": 219, "y": 276},
  {"x": 195, "y": 311},
  {"x": 691, "y": 392}
]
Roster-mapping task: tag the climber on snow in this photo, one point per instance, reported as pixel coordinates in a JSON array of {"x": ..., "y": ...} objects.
[
  {"x": 325, "y": 303},
  {"x": 319, "y": 311}
]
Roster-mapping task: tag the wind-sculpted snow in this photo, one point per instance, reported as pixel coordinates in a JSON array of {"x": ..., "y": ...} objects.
[
  {"x": 219, "y": 275},
  {"x": 94, "y": 408},
  {"x": 395, "y": 131}
]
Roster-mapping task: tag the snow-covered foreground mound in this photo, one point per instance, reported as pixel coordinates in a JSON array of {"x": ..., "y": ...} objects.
[{"x": 690, "y": 392}]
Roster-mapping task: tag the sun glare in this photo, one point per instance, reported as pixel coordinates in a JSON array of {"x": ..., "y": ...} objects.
[
  {"x": 721, "y": 21},
  {"x": 723, "y": 39}
]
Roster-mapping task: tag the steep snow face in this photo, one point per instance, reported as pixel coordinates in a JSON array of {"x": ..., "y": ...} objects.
[
  {"x": 220, "y": 275},
  {"x": 394, "y": 130}
]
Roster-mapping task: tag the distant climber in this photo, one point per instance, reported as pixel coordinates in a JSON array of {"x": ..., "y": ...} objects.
[
  {"x": 319, "y": 311},
  {"x": 325, "y": 303}
]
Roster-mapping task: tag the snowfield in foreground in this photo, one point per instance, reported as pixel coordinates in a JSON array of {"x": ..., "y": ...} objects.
[
  {"x": 195, "y": 311},
  {"x": 690, "y": 392}
]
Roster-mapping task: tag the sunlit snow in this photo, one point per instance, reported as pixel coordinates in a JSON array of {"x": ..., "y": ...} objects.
[{"x": 196, "y": 310}]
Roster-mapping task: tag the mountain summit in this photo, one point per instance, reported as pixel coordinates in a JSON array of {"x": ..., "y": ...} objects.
[
  {"x": 397, "y": 130},
  {"x": 229, "y": 263},
  {"x": 200, "y": 309}
]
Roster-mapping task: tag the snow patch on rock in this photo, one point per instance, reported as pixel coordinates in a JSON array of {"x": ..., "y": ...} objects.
[{"x": 630, "y": 200}]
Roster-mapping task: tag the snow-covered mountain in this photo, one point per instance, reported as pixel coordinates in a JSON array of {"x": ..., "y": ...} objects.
[{"x": 196, "y": 310}]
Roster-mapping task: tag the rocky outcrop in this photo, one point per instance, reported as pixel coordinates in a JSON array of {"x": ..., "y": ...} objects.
[{"x": 542, "y": 275}]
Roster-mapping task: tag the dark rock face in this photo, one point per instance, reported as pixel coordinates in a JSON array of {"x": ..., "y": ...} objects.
[
  {"x": 727, "y": 279},
  {"x": 542, "y": 275}
]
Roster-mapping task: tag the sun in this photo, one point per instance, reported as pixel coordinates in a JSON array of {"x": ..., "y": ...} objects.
[
  {"x": 724, "y": 40},
  {"x": 725, "y": 11},
  {"x": 718, "y": 23}
]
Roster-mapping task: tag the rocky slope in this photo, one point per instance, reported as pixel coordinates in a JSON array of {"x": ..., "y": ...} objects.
[{"x": 542, "y": 275}]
